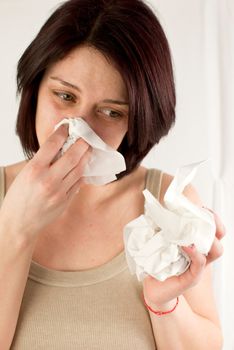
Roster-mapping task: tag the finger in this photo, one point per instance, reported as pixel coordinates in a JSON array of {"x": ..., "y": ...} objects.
[
  {"x": 198, "y": 262},
  {"x": 220, "y": 228},
  {"x": 75, "y": 188},
  {"x": 70, "y": 159},
  {"x": 166, "y": 290},
  {"x": 215, "y": 252},
  {"x": 48, "y": 151},
  {"x": 77, "y": 172}
]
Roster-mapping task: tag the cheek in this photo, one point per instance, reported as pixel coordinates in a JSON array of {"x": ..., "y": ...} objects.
[
  {"x": 44, "y": 127},
  {"x": 42, "y": 136},
  {"x": 46, "y": 119}
]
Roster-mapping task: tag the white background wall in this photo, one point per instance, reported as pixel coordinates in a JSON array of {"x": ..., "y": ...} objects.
[
  {"x": 201, "y": 38},
  {"x": 19, "y": 23}
]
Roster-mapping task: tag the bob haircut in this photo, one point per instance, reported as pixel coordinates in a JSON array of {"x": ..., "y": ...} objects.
[{"x": 129, "y": 34}]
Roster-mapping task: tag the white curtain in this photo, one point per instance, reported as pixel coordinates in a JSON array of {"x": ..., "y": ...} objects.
[
  {"x": 219, "y": 54},
  {"x": 201, "y": 35}
]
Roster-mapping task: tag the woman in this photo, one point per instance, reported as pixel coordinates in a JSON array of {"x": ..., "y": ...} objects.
[{"x": 64, "y": 279}]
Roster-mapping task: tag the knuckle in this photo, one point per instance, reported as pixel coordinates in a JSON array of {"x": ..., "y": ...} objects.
[
  {"x": 83, "y": 145},
  {"x": 76, "y": 155},
  {"x": 202, "y": 261},
  {"x": 56, "y": 140},
  {"x": 186, "y": 281},
  {"x": 219, "y": 250},
  {"x": 56, "y": 199},
  {"x": 82, "y": 142},
  {"x": 196, "y": 278},
  {"x": 47, "y": 187},
  {"x": 81, "y": 182},
  {"x": 86, "y": 157},
  {"x": 89, "y": 152},
  {"x": 195, "y": 281},
  {"x": 62, "y": 130},
  {"x": 191, "y": 281},
  {"x": 34, "y": 169},
  {"x": 52, "y": 202},
  {"x": 223, "y": 231},
  {"x": 52, "y": 144},
  {"x": 78, "y": 171},
  {"x": 72, "y": 158}
]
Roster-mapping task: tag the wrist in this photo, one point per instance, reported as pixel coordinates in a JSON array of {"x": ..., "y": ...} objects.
[
  {"x": 161, "y": 308},
  {"x": 15, "y": 236}
]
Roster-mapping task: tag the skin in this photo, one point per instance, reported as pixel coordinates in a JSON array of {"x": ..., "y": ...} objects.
[
  {"x": 95, "y": 81},
  {"x": 82, "y": 84}
]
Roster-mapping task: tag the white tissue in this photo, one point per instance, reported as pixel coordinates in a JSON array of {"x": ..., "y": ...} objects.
[
  {"x": 152, "y": 241},
  {"x": 105, "y": 161}
]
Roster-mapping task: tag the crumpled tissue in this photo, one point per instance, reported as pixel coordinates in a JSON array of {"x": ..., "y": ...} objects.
[
  {"x": 153, "y": 241},
  {"x": 104, "y": 162}
]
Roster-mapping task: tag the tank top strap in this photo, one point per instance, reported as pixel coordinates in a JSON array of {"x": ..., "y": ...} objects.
[
  {"x": 2, "y": 184},
  {"x": 153, "y": 181}
]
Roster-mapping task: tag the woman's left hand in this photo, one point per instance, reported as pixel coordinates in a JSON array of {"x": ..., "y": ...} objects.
[{"x": 161, "y": 295}]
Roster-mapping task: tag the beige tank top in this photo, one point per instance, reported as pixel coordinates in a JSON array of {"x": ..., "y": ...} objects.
[{"x": 99, "y": 308}]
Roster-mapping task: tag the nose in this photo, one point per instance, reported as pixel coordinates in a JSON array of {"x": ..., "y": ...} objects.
[
  {"x": 85, "y": 116},
  {"x": 82, "y": 117},
  {"x": 87, "y": 119},
  {"x": 90, "y": 120},
  {"x": 86, "y": 111}
]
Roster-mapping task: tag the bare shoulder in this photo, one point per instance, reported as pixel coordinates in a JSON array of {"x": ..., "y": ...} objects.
[
  {"x": 11, "y": 171},
  {"x": 190, "y": 191},
  {"x": 135, "y": 180}
]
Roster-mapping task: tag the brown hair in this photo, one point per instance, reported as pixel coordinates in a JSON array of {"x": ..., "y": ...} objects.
[{"x": 130, "y": 35}]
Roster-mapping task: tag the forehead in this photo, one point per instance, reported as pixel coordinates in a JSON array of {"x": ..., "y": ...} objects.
[{"x": 89, "y": 68}]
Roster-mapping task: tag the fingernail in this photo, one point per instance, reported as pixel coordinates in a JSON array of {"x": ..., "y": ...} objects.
[
  {"x": 191, "y": 246},
  {"x": 64, "y": 127}
]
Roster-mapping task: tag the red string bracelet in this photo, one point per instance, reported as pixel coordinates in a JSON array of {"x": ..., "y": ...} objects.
[{"x": 160, "y": 313}]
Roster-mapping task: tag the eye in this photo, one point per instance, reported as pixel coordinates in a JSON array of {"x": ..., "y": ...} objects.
[
  {"x": 111, "y": 113},
  {"x": 67, "y": 97}
]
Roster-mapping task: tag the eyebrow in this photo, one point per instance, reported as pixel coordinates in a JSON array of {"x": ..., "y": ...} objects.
[
  {"x": 115, "y": 102},
  {"x": 66, "y": 83}
]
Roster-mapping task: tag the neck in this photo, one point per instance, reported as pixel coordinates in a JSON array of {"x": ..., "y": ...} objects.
[{"x": 95, "y": 196}]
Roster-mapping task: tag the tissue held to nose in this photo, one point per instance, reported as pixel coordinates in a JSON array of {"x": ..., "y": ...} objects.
[
  {"x": 105, "y": 161},
  {"x": 153, "y": 241}
]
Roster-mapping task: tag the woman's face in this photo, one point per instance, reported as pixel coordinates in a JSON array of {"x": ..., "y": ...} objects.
[{"x": 83, "y": 84}]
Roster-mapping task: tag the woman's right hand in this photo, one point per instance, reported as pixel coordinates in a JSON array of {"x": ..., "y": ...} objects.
[{"x": 43, "y": 188}]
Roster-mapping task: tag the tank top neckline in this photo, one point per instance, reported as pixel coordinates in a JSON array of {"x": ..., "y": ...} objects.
[{"x": 80, "y": 278}]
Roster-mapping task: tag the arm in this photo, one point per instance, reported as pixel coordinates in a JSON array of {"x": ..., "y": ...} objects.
[
  {"x": 43, "y": 189},
  {"x": 15, "y": 262},
  {"x": 194, "y": 324}
]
